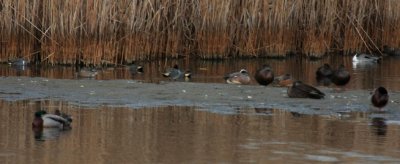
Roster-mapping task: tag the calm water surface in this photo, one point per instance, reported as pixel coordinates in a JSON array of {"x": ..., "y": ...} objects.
[
  {"x": 192, "y": 135},
  {"x": 386, "y": 74}
]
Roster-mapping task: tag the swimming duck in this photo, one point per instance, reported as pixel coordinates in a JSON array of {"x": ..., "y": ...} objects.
[
  {"x": 380, "y": 97},
  {"x": 175, "y": 73},
  {"x": 87, "y": 73},
  {"x": 241, "y": 77},
  {"x": 18, "y": 62},
  {"x": 365, "y": 58},
  {"x": 324, "y": 71},
  {"x": 325, "y": 81},
  {"x": 285, "y": 80},
  {"x": 44, "y": 120},
  {"x": 324, "y": 74},
  {"x": 391, "y": 51},
  {"x": 188, "y": 74},
  {"x": 341, "y": 76},
  {"x": 301, "y": 90},
  {"x": 264, "y": 75},
  {"x": 133, "y": 68}
]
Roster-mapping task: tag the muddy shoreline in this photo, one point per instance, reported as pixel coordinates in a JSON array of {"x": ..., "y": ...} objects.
[{"x": 207, "y": 96}]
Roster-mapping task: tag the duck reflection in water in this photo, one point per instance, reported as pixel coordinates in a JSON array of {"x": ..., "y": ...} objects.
[
  {"x": 266, "y": 111},
  {"x": 46, "y": 134},
  {"x": 379, "y": 126}
]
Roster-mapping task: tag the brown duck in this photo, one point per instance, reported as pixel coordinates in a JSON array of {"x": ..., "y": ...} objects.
[
  {"x": 264, "y": 75},
  {"x": 324, "y": 74},
  {"x": 341, "y": 76},
  {"x": 380, "y": 97},
  {"x": 302, "y": 90},
  {"x": 241, "y": 77},
  {"x": 285, "y": 80}
]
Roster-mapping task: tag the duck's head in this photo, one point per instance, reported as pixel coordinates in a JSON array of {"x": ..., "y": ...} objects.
[
  {"x": 297, "y": 83},
  {"x": 266, "y": 66},
  {"x": 341, "y": 67},
  {"x": 40, "y": 113},
  {"x": 176, "y": 66},
  {"x": 355, "y": 57},
  {"x": 139, "y": 68},
  {"x": 327, "y": 66},
  {"x": 286, "y": 76},
  {"x": 243, "y": 71},
  {"x": 382, "y": 91},
  {"x": 188, "y": 74},
  {"x": 37, "y": 123}
]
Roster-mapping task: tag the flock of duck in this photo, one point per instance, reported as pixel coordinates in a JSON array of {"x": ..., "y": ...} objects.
[
  {"x": 264, "y": 76},
  {"x": 297, "y": 89}
]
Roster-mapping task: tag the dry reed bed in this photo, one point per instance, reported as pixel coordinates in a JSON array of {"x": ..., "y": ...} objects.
[{"x": 116, "y": 32}]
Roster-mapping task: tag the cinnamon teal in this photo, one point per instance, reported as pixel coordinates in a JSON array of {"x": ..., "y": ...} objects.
[
  {"x": 264, "y": 75},
  {"x": 285, "y": 80},
  {"x": 302, "y": 90}
]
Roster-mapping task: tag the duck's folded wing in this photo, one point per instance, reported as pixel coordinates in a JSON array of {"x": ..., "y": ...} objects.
[
  {"x": 312, "y": 92},
  {"x": 56, "y": 118},
  {"x": 230, "y": 75}
]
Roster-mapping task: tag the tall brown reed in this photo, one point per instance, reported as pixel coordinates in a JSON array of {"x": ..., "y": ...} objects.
[{"x": 117, "y": 32}]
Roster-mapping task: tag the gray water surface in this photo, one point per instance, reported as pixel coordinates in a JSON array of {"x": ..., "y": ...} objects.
[
  {"x": 193, "y": 135},
  {"x": 363, "y": 76}
]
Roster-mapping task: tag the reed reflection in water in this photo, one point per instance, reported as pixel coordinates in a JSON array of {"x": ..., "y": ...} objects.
[
  {"x": 190, "y": 135},
  {"x": 362, "y": 76}
]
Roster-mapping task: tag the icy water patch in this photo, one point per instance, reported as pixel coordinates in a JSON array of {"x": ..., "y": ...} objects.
[{"x": 210, "y": 96}]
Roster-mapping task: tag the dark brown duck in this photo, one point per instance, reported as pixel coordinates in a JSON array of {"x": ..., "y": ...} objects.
[
  {"x": 380, "y": 97},
  {"x": 341, "y": 76},
  {"x": 264, "y": 75},
  {"x": 301, "y": 90}
]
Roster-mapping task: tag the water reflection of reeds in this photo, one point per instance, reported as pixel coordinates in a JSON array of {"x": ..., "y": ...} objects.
[
  {"x": 208, "y": 71},
  {"x": 185, "y": 134}
]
